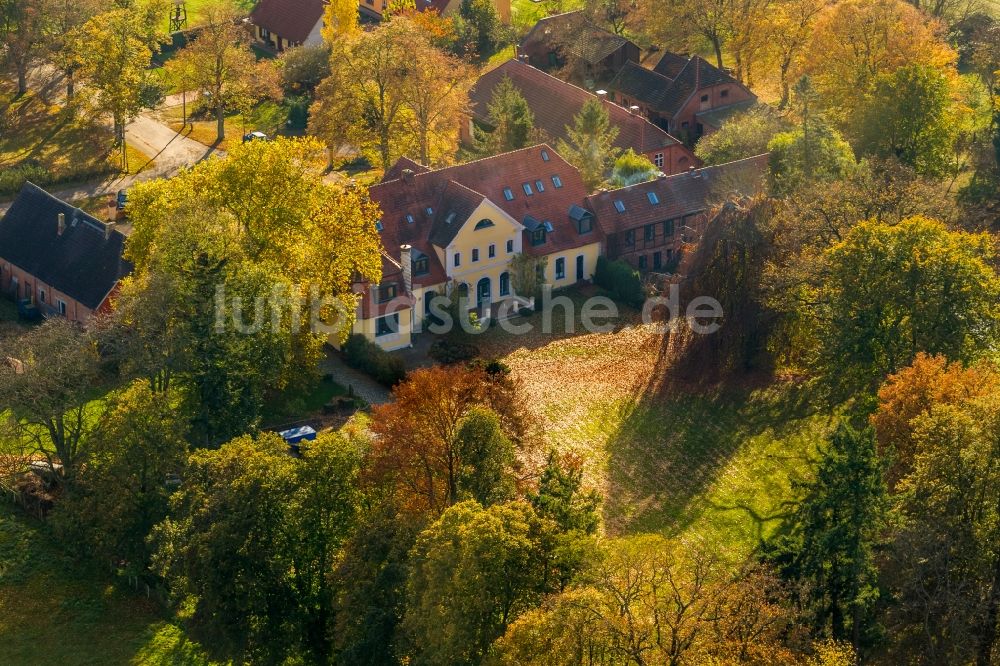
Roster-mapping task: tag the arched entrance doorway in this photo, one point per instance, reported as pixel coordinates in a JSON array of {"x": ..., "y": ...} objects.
[{"x": 483, "y": 294}]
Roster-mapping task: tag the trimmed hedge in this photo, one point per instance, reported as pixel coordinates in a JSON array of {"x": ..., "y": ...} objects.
[
  {"x": 364, "y": 355},
  {"x": 621, "y": 280},
  {"x": 12, "y": 179}
]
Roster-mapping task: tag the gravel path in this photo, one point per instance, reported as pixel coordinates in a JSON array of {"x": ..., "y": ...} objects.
[{"x": 364, "y": 386}]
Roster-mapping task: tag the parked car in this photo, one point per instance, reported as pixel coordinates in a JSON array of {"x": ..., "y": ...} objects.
[
  {"x": 121, "y": 199},
  {"x": 254, "y": 136}
]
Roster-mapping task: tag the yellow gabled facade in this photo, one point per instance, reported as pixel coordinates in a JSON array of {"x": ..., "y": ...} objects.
[{"x": 480, "y": 253}]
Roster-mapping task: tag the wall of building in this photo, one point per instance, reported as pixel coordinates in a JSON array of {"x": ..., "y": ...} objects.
[
  {"x": 590, "y": 253},
  {"x": 720, "y": 95},
  {"x": 29, "y": 286},
  {"x": 469, "y": 238}
]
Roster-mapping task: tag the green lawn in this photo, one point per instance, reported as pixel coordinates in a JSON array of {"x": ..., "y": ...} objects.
[
  {"x": 295, "y": 403},
  {"x": 196, "y": 9},
  {"x": 54, "y": 609},
  {"x": 67, "y": 148},
  {"x": 267, "y": 117},
  {"x": 719, "y": 464}
]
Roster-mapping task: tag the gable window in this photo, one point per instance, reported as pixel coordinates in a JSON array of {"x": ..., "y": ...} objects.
[
  {"x": 475, "y": 254},
  {"x": 585, "y": 225},
  {"x": 508, "y": 194},
  {"x": 484, "y": 224},
  {"x": 386, "y": 292},
  {"x": 649, "y": 233},
  {"x": 556, "y": 182},
  {"x": 540, "y": 186},
  {"x": 619, "y": 206},
  {"x": 658, "y": 160},
  {"x": 492, "y": 252},
  {"x": 62, "y": 306},
  {"x": 421, "y": 266},
  {"x": 538, "y": 236},
  {"x": 387, "y": 325},
  {"x": 527, "y": 189},
  {"x": 653, "y": 199},
  {"x": 458, "y": 259},
  {"x": 668, "y": 227},
  {"x": 642, "y": 262},
  {"x": 630, "y": 237},
  {"x": 510, "y": 246},
  {"x": 545, "y": 156},
  {"x": 560, "y": 268}
]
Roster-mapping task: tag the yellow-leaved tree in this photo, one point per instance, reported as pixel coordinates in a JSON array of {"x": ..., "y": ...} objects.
[
  {"x": 244, "y": 267},
  {"x": 856, "y": 41}
]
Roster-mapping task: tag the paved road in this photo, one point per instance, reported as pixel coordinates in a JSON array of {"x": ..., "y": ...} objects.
[{"x": 170, "y": 151}]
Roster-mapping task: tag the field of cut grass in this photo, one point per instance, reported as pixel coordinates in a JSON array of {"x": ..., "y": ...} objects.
[
  {"x": 56, "y": 610},
  {"x": 717, "y": 464}
]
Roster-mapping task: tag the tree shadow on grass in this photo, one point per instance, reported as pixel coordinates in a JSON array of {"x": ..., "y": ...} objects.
[{"x": 673, "y": 441}]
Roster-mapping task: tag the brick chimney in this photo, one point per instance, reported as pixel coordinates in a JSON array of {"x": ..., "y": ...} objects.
[
  {"x": 61, "y": 224},
  {"x": 406, "y": 259}
]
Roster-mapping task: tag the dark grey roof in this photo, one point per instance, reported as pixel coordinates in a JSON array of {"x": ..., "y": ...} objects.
[
  {"x": 577, "y": 213},
  {"x": 574, "y": 32},
  {"x": 456, "y": 204},
  {"x": 80, "y": 262},
  {"x": 667, "y": 86}
]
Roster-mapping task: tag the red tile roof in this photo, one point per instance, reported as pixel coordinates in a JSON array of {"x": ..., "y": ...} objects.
[
  {"x": 666, "y": 87},
  {"x": 678, "y": 195},
  {"x": 293, "y": 20},
  {"x": 455, "y": 189},
  {"x": 555, "y": 102}
]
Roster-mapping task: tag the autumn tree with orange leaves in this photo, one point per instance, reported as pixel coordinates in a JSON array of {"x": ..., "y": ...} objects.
[{"x": 443, "y": 422}]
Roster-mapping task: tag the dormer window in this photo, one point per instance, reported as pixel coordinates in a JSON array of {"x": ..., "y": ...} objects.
[
  {"x": 421, "y": 266},
  {"x": 653, "y": 199},
  {"x": 619, "y": 206},
  {"x": 556, "y": 182},
  {"x": 527, "y": 189},
  {"x": 538, "y": 236},
  {"x": 545, "y": 156},
  {"x": 585, "y": 225},
  {"x": 484, "y": 224},
  {"x": 508, "y": 194},
  {"x": 540, "y": 186},
  {"x": 386, "y": 292}
]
